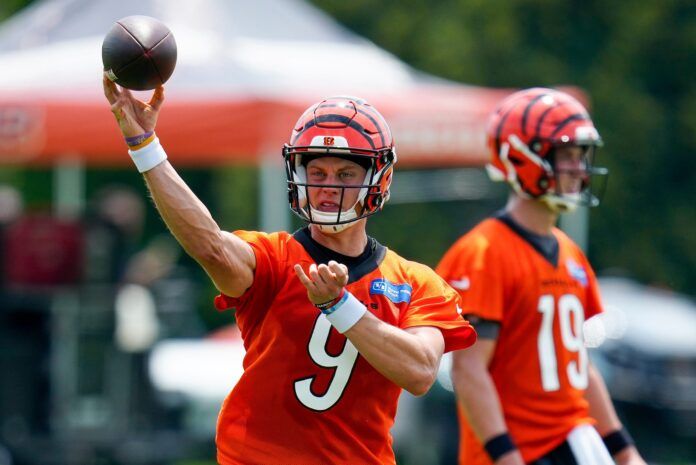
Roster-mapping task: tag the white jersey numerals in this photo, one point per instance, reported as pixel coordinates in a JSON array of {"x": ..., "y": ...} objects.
[
  {"x": 343, "y": 363},
  {"x": 570, "y": 318}
]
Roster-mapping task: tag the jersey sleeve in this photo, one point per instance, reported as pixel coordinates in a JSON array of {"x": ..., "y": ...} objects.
[
  {"x": 434, "y": 303},
  {"x": 471, "y": 267},
  {"x": 266, "y": 250}
]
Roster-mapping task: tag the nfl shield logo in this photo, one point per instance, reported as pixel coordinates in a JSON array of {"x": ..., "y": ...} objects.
[{"x": 577, "y": 272}]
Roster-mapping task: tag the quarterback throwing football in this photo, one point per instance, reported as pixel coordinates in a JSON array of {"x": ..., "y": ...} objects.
[{"x": 334, "y": 324}]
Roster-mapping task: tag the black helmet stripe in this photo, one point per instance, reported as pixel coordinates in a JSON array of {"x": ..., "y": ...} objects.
[
  {"x": 499, "y": 129},
  {"x": 370, "y": 117},
  {"x": 528, "y": 108},
  {"x": 542, "y": 117},
  {"x": 570, "y": 119},
  {"x": 376, "y": 123},
  {"x": 374, "y": 120}
]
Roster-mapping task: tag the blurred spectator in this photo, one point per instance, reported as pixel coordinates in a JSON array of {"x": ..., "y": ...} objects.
[
  {"x": 37, "y": 249},
  {"x": 42, "y": 250},
  {"x": 11, "y": 204},
  {"x": 153, "y": 295},
  {"x": 11, "y": 207},
  {"x": 114, "y": 228}
]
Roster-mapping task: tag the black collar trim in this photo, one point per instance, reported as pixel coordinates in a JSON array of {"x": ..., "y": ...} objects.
[
  {"x": 547, "y": 246},
  {"x": 358, "y": 267}
]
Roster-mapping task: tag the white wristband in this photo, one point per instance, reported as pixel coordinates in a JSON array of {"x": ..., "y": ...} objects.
[
  {"x": 149, "y": 156},
  {"x": 345, "y": 313}
]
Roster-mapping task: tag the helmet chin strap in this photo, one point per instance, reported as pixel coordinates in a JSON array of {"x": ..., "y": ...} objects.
[
  {"x": 325, "y": 217},
  {"x": 561, "y": 203}
]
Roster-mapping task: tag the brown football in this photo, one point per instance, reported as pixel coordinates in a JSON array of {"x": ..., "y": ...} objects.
[{"x": 139, "y": 53}]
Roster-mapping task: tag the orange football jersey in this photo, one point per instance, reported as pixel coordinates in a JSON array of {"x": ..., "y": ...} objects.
[
  {"x": 540, "y": 365},
  {"x": 307, "y": 396}
]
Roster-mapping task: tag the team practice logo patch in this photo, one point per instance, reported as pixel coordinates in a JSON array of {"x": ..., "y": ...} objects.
[
  {"x": 397, "y": 293},
  {"x": 577, "y": 272}
]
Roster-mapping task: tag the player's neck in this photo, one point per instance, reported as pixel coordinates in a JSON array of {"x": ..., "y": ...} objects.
[
  {"x": 350, "y": 241},
  {"x": 532, "y": 215}
]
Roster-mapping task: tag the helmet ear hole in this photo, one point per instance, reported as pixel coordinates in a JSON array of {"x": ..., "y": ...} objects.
[{"x": 536, "y": 146}]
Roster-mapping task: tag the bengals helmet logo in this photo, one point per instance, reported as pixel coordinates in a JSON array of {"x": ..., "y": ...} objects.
[{"x": 328, "y": 140}]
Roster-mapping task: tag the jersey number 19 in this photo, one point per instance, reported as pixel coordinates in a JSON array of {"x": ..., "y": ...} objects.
[{"x": 570, "y": 318}]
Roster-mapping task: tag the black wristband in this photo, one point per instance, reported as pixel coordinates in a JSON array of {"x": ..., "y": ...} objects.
[
  {"x": 618, "y": 440},
  {"x": 499, "y": 445}
]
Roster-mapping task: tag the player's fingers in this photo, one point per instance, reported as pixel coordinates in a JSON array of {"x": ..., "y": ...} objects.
[
  {"x": 157, "y": 98},
  {"x": 340, "y": 271},
  {"x": 304, "y": 279},
  {"x": 110, "y": 90},
  {"x": 337, "y": 269},
  {"x": 326, "y": 274},
  {"x": 314, "y": 274}
]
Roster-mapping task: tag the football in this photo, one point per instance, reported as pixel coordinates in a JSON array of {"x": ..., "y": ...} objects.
[{"x": 139, "y": 53}]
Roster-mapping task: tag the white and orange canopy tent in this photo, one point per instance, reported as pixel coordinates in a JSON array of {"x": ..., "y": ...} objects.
[{"x": 245, "y": 72}]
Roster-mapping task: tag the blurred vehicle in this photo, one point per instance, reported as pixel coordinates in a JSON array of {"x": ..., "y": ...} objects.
[
  {"x": 649, "y": 363},
  {"x": 195, "y": 375}
]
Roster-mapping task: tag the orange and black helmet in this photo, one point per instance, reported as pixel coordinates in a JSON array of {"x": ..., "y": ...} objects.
[
  {"x": 523, "y": 134},
  {"x": 344, "y": 127}
]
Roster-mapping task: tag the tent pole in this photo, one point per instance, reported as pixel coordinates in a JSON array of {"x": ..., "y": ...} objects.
[
  {"x": 68, "y": 188},
  {"x": 577, "y": 225},
  {"x": 274, "y": 213},
  {"x": 68, "y": 204}
]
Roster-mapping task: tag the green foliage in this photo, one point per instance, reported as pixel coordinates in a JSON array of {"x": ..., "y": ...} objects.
[
  {"x": 634, "y": 59},
  {"x": 424, "y": 231},
  {"x": 237, "y": 188},
  {"x": 9, "y": 7}
]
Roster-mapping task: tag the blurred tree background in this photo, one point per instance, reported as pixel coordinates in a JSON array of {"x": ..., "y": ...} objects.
[{"x": 635, "y": 59}]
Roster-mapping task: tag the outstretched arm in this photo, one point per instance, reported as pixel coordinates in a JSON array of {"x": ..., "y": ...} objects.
[{"x": 228, "y": 260}]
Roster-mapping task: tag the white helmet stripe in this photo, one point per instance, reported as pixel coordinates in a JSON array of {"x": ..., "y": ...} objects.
[
  {"x": 511, "y": 173},
  {"x": 522, "y": 147}
]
